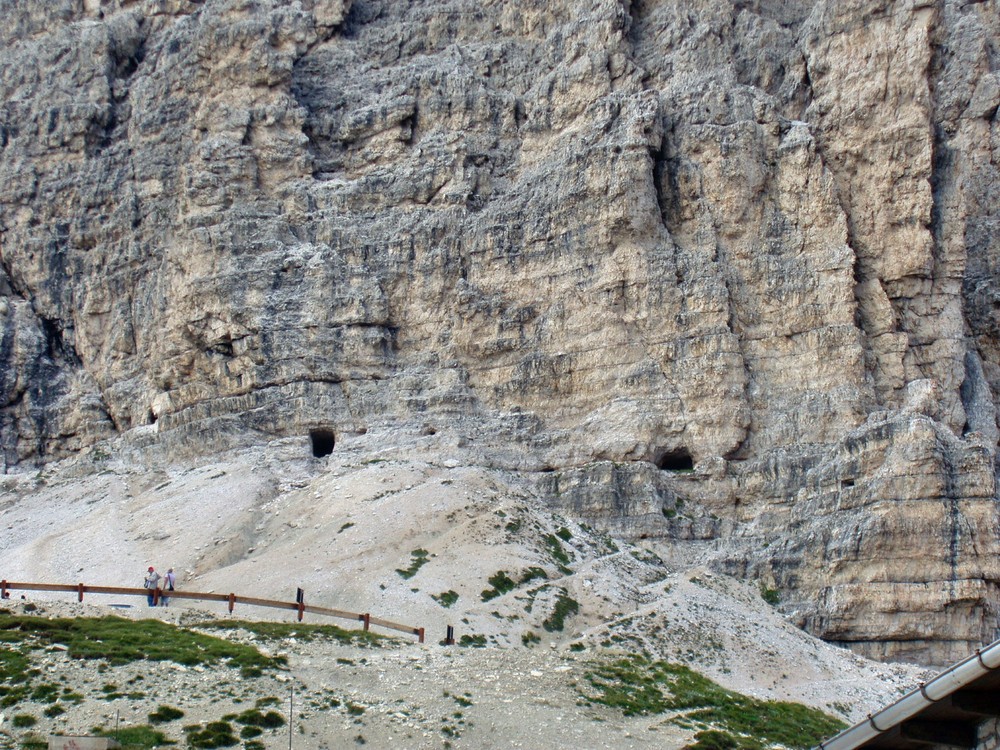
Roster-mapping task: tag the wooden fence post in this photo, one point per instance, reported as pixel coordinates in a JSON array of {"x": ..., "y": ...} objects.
[
  {"x": 368, "y": 620},
  {"x": 232, "y": 602},
  {"x": 420, "y": 632},
  {"x": 79, "y": 592},
  {"x": 449, "y": 639}
]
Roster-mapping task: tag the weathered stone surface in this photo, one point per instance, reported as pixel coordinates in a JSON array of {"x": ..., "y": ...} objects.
[{"x": 591, "y": 236}]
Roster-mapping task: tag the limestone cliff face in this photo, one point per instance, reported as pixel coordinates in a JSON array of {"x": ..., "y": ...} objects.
[{"x": 605, "y": 239}]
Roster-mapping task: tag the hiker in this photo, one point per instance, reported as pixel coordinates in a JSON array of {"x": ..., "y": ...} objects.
[
  {"x": 168, "y": 585},
  {"x": 151, "y": 583}
]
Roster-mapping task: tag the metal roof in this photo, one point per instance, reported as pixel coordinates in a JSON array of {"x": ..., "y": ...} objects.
[{"x": 947, "y": 710}]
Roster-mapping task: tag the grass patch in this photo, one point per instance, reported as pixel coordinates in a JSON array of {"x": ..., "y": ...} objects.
[
  {"x": 139, "y": 737},
  {"x": 713, "y": 739},
  {"x": 274, "y": 631},
  {"x": 475, "y": 641},
  {"x": 211, "y": 735},
  {"x": 531, "y": 574},
  {"x": 445, "y": 598},
  {"x": 639, "y": 686},
  {"x": 163, "y": 714},
  {"x": 419, "y": 558},
  {"x": 45, "y": 693},
  {"x": 256, "y": 718},
  {"x": 564, "y": 534},
  {"x": 34, "y": 742},
  {"x": 501, "y": 583},
  {"x": 771, "y": 596},
  {"x": 23, "y": 721},
  {"x": 118, "y": 641},
  {"x": 565, "y": 607},
  {"x": 15, "y": 674},
  {"x": 558, "y": 553}
]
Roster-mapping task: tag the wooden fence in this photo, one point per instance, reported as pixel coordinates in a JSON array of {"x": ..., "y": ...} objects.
[{"x": 231, "y": 599}]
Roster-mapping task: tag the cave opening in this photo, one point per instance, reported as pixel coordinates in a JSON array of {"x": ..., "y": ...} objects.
[
  {"x": 676, "y": 460},
  {"x": 322, "y": 442}
]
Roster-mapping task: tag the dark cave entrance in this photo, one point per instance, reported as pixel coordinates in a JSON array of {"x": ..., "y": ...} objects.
[
  {"x": 322, "y": 442},
  {"x": 676, "y": 460}
]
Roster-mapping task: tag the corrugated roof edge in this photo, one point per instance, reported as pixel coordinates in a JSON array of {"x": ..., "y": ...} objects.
[{"x": 955, "y": 677}]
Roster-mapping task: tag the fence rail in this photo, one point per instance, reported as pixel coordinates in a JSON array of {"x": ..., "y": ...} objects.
[{"x": 231, "y": 599}]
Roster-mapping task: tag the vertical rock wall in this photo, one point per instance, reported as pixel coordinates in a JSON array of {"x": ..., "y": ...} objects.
[{"x": 598, "y": 237}]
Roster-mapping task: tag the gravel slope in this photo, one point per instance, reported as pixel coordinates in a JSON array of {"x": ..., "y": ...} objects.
[{"x": 265, "y": 521}]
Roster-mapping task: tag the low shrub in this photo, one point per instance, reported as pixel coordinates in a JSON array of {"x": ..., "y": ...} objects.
[{"x": 163, "y": 714}]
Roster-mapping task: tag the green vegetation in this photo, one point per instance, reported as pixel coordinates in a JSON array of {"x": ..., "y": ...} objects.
[
  {"x": 212, "y": 735},
  {"x": 45, "y": 693},
  {"x": 255, "y": 718},
  {"x": 119, "y": 641},
  {"x": 514, "y": 526},
  {"x": 529, "y": 638},
  {"x": 23, "y": 721},
  {"x": 501, "y": 583},
  {"x": 445, "y": 598},
  {"x": 771, "y": 596},
  {"x": 15, "y": 675},
  {"x": 646, "y": 556},
  {"x": 163, "y": 714},
  {"x": 565, "y": 607},
  {"x": 729, "y": 721},
  {"x": 476, "y": 640},
  {"x": 564, "y": 534},
  {"x": 419, "y": 559},
  {"x": 555, "y": 549},
  {"x": 531, "y": 574},
  {"x": 713, "y": 739},
  {"x": 345, "y": 527},
  {"x": 136, "y": 738},
  {"x": 34, "y": 742},
  {"x": 274, "y": 631}
]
